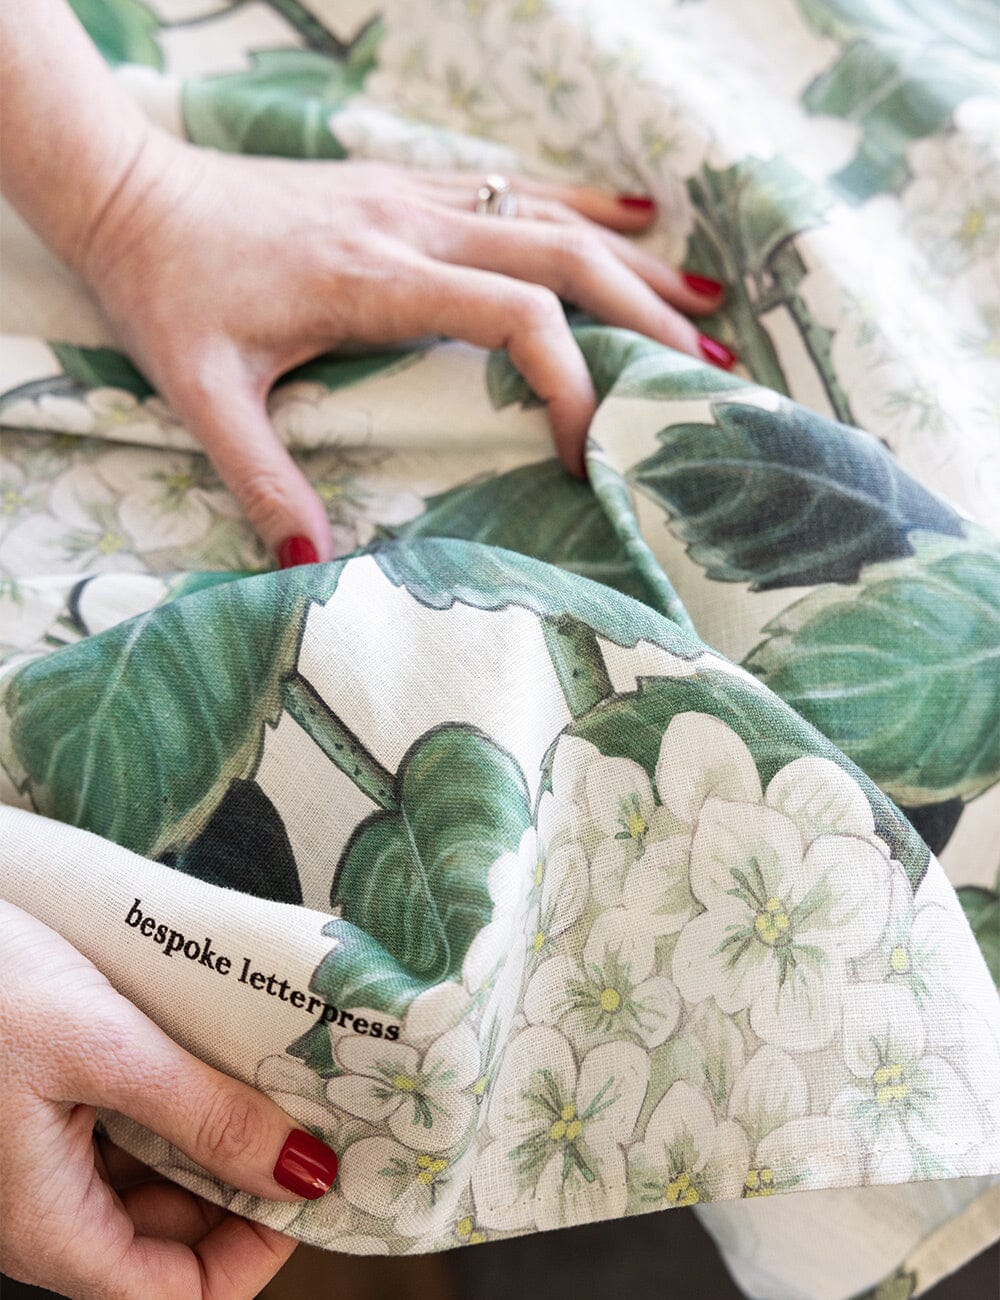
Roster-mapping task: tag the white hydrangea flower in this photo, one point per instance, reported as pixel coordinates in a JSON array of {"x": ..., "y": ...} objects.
[
  {"x": 558, "y": 1132},
  {"x": 905, "y": 1099},
  {"x": 419, "y": 1190},
  {"x": 686, "y": 1156},
  {"x": 610, "y": 992}
]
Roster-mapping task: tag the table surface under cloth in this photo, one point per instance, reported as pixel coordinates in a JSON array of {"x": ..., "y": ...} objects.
[{"x": 633, "y": 844}]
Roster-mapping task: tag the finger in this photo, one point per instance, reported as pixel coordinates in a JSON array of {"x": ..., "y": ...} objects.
[
  {"x": 233, "y": 1261},
  {"x": 126, "y": 1062},
  {"x": 163, "y": 1209},
  {"x": 493, "y": 311},
  {"x": 576, "y": 265},
  {"x": 230, "y": 421},
  {"x": 628, "y": 212},
  {"x": 694, "y": 294}
]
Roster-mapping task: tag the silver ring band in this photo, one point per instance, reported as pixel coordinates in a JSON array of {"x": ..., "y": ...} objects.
[{"x": 494, "y": 197}]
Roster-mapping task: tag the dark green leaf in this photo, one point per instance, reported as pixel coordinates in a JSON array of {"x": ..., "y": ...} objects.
[
  {"x": 244, "y": 846},
  {"x": 344, "y": 372},
  {"x": 902, "y": 671},
  {"x": 101, "y": 368},
  {"x": 123, "y": 30},
  {"x": 785, "y": 498},
  {"x": 442, "y": 571},
  {"x": 537, "y": 510},
  {"x": 414, "y": 881},
  {"x": 359, "y": 972},
  {"x": 281, "y": 106},
  {"x": 136, "y": 733}
]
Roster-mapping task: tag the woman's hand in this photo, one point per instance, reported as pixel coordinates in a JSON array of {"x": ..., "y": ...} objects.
[
  {"x": 222, "y": 272},
  {"x": 77, "y": 1214}
]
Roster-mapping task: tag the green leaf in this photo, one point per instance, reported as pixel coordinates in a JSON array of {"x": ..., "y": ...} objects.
[
  {"x": 442, "y": 571},
  {"x": 902, "y": 671},
  {"x": 136, "y": 733},
  {"x": 281, "y": 106},
  {"x": 538, "y": 510},
  {"x": 123, "y": 30},
  {"x": 100, "y": 368},
  {"x": 415, "y": 881},
  {"x": 633, "y": 725},
  {"x": 982, "y": 910},
  {"x": 608, "y": 353},
  {"x": 344, "y": 372},
  {"x": 785, "y": 498}
]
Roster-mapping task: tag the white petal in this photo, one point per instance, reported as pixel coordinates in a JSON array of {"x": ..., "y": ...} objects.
[
  {"x": 770, "y": 1090},
  {"x": 499, "y": 1199},
  {"x": 617, "y": 937},
  {"x": 569, "y": 767},
  {"x": 681, "y": 1131},
  {"x": 356, "y": 1094},
  {"x": 562, "y": 1202},
  {"x": 361, "y": 1176},
  {"x": 547, "y": 998},
  {"x": 814, "y": 1151},
  {"x": 946, "y": 1120},
  {"x": 701, "y": 967},
  {"x": 612, "y": 1088},
  {"x": 881, "y": 1024},
  {"x": 433, "y": 1010},
  {"x": 615, "y": 787},
  {"x": 821, "y": 799},
  {"x": 451, "y": 1115},
  {"x": 453, "y": 1058},
  {"x": 803, "y": 1013},
  {"x": 700, "y": 757},
  {"x": 533, "y": 1057},
  {"x": 855, "y": 891},
  {"x": 745, "y": 838},
  {"x": 565, "y": 887},
  {"x": 658, "y": 885},
  {"x": 658, "y": 1010},
  {"x": 359, "y": 1054}
]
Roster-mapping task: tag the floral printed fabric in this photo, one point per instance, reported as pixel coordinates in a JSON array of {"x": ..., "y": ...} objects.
[{"x": 586, "y": 849}]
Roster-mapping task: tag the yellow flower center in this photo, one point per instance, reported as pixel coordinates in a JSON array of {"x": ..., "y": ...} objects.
[
  {"x": 899, "y": 959},
  {"x": 11, "y": 500},
  {"x": 889, "y": 1085},
  {"x": 110, "y": 543},
  {"x": 772, "y": 922},
  {"x": 539, "y": 872},
  {"x": 975, "y": 220},
  {"x": 539, "y": 940},
  {"x": 636, "y": 825},
  {"x": 611, "y": 1000},
  {"x": 681, "y": 1191},
  {"x": 464, "y": 1226},
  {"x": 430, "y": 1167},
  {"x": 549, "y": 79},
  {"x": 479, "y": 1087},
  {"x": 330, "y": 491},
  {"x": 759, "y": 1182},
  {"x": 404, "y": 1082},
  {"x": 567, "y": 1126},
  {"x": 178, "y": 482}
]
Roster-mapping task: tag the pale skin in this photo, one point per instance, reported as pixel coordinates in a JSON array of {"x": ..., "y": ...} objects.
[{"x": 219, "y": 274}]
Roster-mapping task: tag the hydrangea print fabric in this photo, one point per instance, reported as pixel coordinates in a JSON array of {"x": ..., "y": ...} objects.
[{"x": 563, "y": 851}]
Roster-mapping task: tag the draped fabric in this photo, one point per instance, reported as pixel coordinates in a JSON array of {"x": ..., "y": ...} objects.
[{"x": 563, "y": 851}]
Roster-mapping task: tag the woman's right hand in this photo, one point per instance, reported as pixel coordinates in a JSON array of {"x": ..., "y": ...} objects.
[{"x": 74, "y": 1215}]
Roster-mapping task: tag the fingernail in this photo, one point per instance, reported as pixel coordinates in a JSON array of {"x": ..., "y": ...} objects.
[
  {"x": 296, "y": 550},
  {"x": 716, "y": 352},
  {"x": 306, "y": 1166},
  {"x": 702, "y": 284},
  {"x": 638, "y": 202}
]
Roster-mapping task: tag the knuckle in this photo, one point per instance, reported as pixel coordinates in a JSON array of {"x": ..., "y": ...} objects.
[
  {"x": 232, "y": 1127},
  {"x": 578, "y": 247},
  {"x": 538, "y": 308},
  {"x": 264, "y": 495}
]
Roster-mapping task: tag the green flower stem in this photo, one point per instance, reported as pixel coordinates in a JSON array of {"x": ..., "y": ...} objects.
[
  {"x": 578, "y": 662},
  {"x": 310, "y": 28},
  {"x": 788, "y": 270},
  {"x": 338, "y": 743}
]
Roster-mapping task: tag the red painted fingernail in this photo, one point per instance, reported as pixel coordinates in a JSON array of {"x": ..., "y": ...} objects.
[
  {"x": 702, "y": 284},
  {"x": 306, "y": 1165},
  {"x": 296, "y": 550},
  {"x": 716, "y": 352},
  {"x": 638, "y": 202}
]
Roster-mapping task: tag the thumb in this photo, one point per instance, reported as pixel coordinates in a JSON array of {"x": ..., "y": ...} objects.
[
  {"x": 228, "y": 1128},
  {"x": 231, "y": 422}
]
